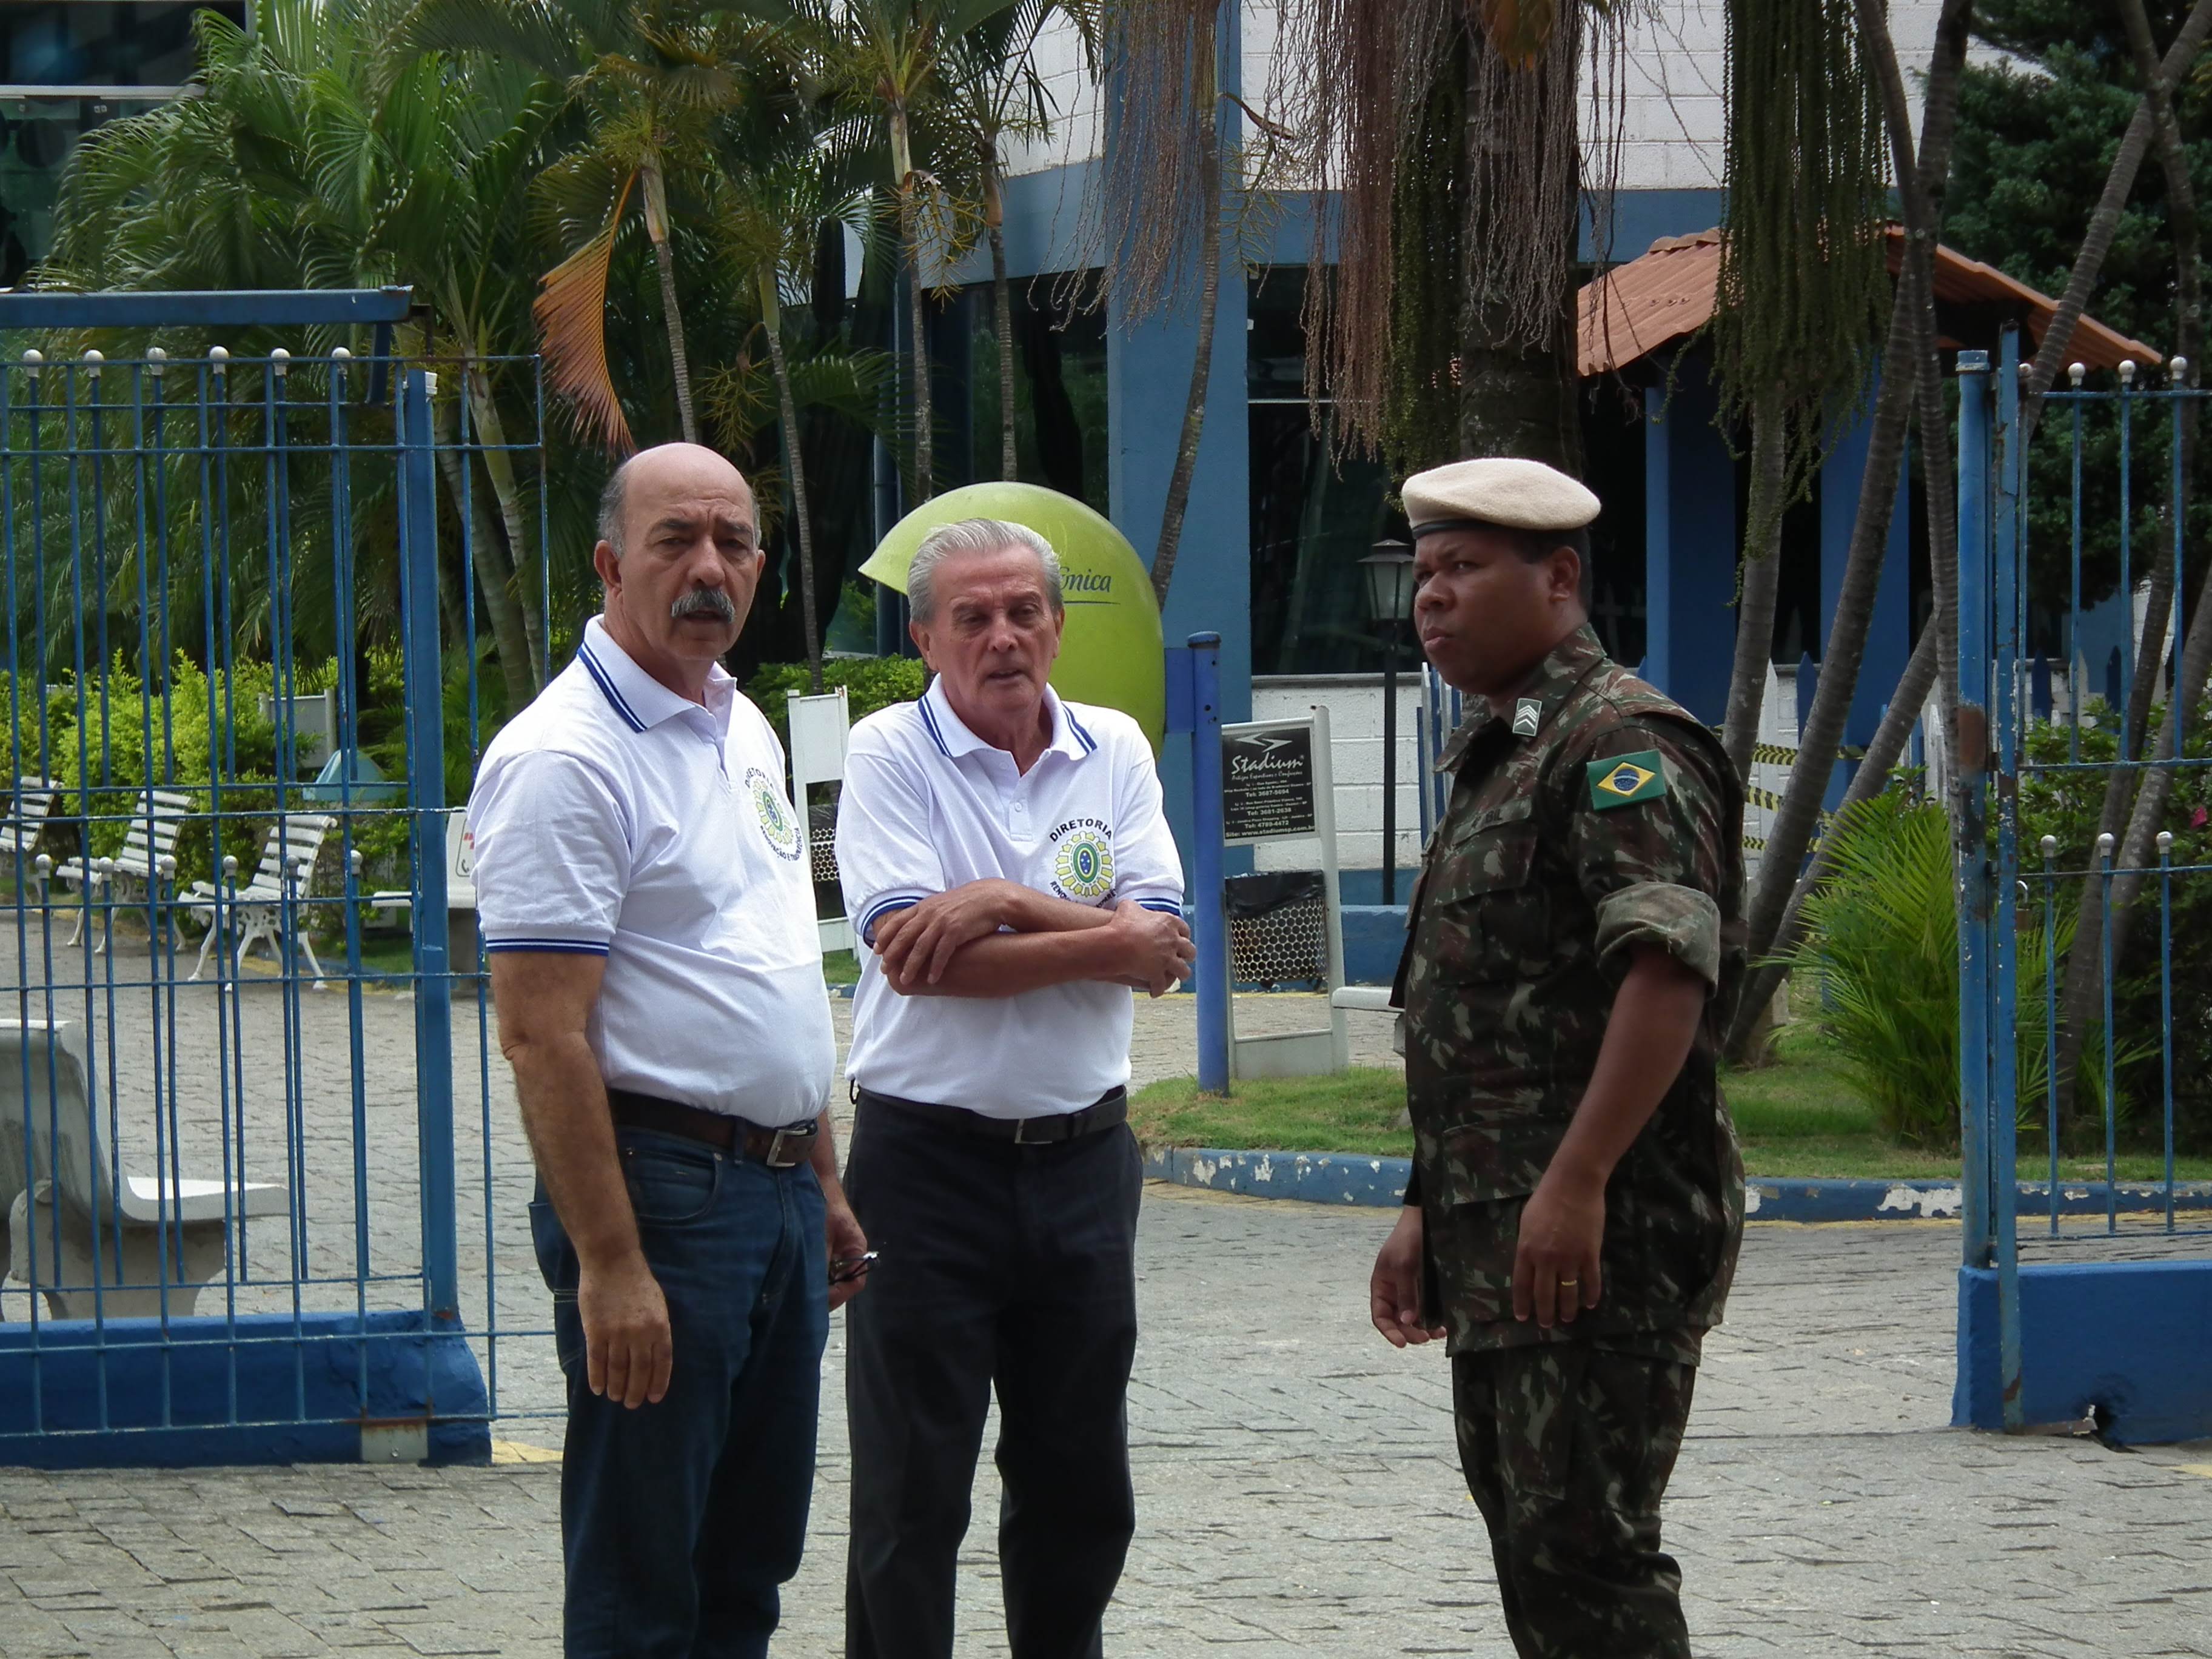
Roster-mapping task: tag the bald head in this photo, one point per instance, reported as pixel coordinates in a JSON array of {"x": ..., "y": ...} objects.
[
  {"x": 679, "y": 557},
  {"x": 678, "y": 469}
]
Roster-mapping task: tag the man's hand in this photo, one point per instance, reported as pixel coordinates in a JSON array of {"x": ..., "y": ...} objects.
[
  {"x": 1393, "y": 1289},
  {"x": 846, "y": 1241},
  {"x": 1556, "y": 1263},
  {"x": 1157, "y": 946},
  {"x": 628, "y": 1351},
  {"x": 916, "y": 945}
]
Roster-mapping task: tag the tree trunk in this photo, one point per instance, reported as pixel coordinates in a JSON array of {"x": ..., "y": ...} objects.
[
  {"x": 1921, "y": 196},
  {"x": 925, "y": 411},
  {"x": 795, "y": 470},
  {"x": 2105, "y": 223},
  {"x": 1002, "y": 308},
  {"x": 499, "y": 462},
  {"x": 1791, "y": 831},
  {"x": 656, "y": 227},
  {"x": 1516, "y": 398},
  {"x": 1209, "y": 303},
  {"x": 493, "y": 567},
  {"x": 1759, "y": 581},
  {"x": 2084, "y": 984}
]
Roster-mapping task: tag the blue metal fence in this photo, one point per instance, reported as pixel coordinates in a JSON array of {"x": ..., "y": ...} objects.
[
  {"x": 2065, "y": 1334},
  {"x": 249, "y": 1215}
]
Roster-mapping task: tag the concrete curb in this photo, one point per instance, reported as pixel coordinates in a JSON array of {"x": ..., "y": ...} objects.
[{"x": 1380, "y": 1182}]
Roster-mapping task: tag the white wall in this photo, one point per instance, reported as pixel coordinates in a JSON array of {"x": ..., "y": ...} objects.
[{"x": 1354, "y": 703}]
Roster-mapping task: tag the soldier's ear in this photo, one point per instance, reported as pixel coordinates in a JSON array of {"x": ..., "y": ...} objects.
[{"x": 1564, "y": 567}]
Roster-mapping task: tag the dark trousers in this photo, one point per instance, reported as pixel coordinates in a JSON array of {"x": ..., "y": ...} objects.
[
  {"x": 1004, "y": 1266},
  {"x": 1567, "y": 1449},
  {"x": 680, "y": 1519}
]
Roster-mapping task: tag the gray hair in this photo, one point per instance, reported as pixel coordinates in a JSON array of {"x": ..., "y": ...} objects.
[
  {"x": 973, "y": 536},
  {"x": 612, "y": 499}
]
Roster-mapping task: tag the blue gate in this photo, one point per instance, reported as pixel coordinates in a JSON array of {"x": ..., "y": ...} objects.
[
  {"x": 2098, "y": 1307},
  {"x": 245, "y": 1220}
]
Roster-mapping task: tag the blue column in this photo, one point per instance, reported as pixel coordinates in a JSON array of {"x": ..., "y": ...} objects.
[
  {"x": 1148, "y": 364},
  {"x": 426, "y": 796},
  {"x": 1689, "y": 545},
  {"x": 1889, "y": 636}
]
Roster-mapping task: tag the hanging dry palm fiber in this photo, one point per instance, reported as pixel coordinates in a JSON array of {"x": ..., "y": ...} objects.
[
  {"x": 1450, "y": 130},
  {"x": 1804, "y": 284},
  {"x": 1155, "y": 200}
]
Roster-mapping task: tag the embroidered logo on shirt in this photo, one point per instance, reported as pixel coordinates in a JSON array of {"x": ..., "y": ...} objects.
[
  {"x": 1083, "y": 870},
  {"x": 776, "y": 822},
  {"x": 1626, "y": 778}
]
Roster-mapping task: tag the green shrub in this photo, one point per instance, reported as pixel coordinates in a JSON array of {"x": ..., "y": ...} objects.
[
  {"x": 869, "y": 682},
  {"x": 104, "y": 754},
  {"x": 1882, "y": 943},
  {"x": 2065, "y": 806}
]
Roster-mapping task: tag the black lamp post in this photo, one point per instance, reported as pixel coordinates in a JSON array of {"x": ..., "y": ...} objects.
[{"x": 1389, "y": 572}]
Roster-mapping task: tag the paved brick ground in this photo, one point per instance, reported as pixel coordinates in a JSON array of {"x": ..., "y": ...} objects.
[{"x": 1296, "y": 1488}]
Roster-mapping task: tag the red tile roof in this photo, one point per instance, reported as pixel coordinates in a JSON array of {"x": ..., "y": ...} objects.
[{"x": 1667, "y": 295}]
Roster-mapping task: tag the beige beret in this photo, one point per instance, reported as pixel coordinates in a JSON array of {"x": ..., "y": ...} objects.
[{"x": 1513, "y": 495}]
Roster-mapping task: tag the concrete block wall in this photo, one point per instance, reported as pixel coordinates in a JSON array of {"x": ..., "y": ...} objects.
[{"x": 1354, "y": 703}]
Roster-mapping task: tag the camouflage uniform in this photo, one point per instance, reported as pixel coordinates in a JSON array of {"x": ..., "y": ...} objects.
[{"x": 1597, "y": 817}]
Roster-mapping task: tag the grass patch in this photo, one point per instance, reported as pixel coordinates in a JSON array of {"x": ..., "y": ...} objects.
[
  {"x": 1353, "y": 1111},
  {"x": 1797, "y": 1117}
]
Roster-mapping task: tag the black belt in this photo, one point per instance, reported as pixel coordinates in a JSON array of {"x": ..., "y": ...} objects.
[
  {"x": 1110, "y": 1110},
  {"x": 779, "y": 1149}
]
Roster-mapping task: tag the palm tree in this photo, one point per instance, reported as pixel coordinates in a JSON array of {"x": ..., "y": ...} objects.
[
  {"x": 995, "y": 94},
  {"x": 650, "y": 79},
  {"x": 315, "y": 156},
  {"x": 891, "y": 57},
  {"x": 769, "y": 207}
]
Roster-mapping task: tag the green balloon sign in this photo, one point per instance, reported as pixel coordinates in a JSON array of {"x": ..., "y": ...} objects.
[{"x": 1111, "y": 653}]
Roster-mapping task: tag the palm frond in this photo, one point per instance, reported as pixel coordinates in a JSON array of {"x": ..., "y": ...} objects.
[{"x": 571, "y": 313}]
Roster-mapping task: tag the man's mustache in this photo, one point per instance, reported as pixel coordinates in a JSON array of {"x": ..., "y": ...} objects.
[{"x": 704, "y": 602}]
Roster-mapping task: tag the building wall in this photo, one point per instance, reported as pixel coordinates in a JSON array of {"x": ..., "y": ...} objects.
[{"x": 1354, "y": 703}]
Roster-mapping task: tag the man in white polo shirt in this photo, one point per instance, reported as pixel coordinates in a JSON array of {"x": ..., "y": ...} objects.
[
  {"x": 1004, "y": 855},
  {"x": 654, "y": 962}
]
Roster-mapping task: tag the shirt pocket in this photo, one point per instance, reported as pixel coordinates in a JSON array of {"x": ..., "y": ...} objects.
[
  {"x": 1486, "y": 1170},
  {"x": 1492, "y": 916}
]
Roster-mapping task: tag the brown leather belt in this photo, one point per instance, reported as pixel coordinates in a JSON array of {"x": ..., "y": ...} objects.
[
  {"x": 1109, "y": 1110},
  {"x": 779, "y": 1149}
]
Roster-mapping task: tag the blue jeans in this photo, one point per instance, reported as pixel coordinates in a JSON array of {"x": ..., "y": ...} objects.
[{"x": 680, "y": 1520}]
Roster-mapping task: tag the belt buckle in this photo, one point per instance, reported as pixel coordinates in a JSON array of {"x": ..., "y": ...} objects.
[
  {"x": 1023, "y": 1139},
  {"x": 775, "y": 1158}
]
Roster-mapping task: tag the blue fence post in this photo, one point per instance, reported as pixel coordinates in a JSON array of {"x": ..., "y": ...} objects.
[
  {"x": 426, "y": 785},
  {"x": 1971, "y": 851},
  {"x": 1209, "y": 928},
  {"x": 2006, "y": 546}
]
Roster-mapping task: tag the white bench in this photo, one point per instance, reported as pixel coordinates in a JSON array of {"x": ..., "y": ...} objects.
[
  {"x": 460, "y": 892},
  {"x": 147, "y": 863},
  {"x": 74, "y": 1220},
  {"x": 26, "y": 813},
  {"x": 256, "y": 909}
]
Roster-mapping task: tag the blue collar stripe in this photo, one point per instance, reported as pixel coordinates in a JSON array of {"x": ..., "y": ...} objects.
[
  {"x": 605, "y": 683},
  {"x": 930, "y": 720},
  {"x": 1088, "y": 742}
]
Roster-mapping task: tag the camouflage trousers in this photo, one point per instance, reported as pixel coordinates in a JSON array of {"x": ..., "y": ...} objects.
[{"x": 1567, "y": 1449}]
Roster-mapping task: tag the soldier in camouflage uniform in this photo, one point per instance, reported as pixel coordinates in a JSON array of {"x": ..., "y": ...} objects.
[{"x": 1575, "y": 947}]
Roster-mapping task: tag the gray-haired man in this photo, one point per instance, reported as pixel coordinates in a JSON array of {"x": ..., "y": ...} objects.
[{"x": 1004, "y": 853}]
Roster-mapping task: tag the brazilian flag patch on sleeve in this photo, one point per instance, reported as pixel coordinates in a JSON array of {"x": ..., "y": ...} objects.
[{"x": 1624, "y": 780}]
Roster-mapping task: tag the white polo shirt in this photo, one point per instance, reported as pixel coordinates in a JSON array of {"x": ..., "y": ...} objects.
[
  {"x": 615, "y": 817},
  {"x": 929, "y": 806}
]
